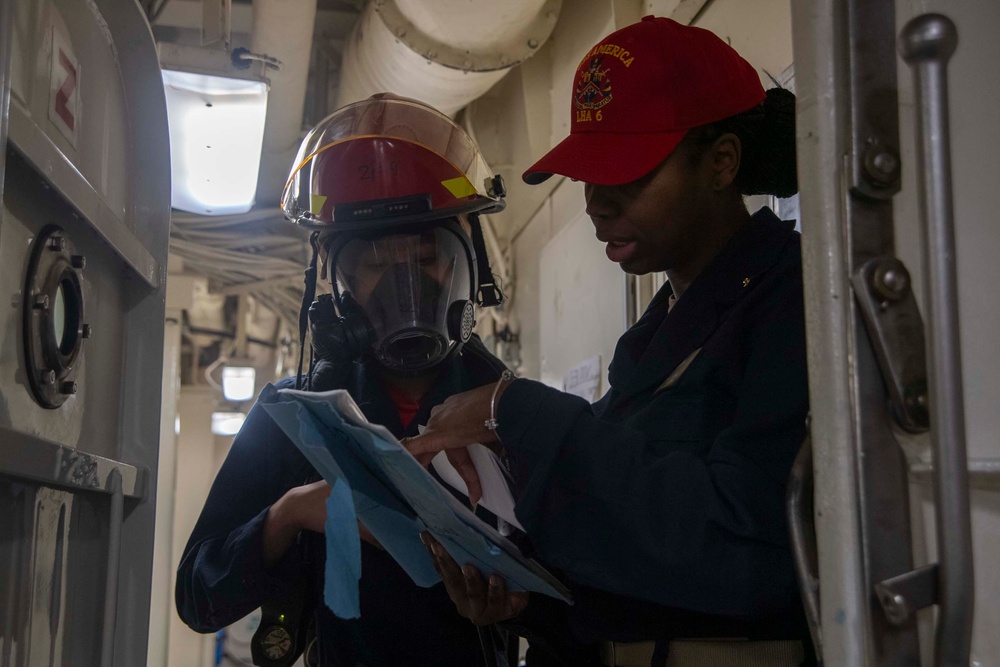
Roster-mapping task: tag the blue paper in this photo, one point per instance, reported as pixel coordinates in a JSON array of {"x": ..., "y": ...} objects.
[
  {"x": 377, "y": 481},
  {"x": 343, "y": 552}
]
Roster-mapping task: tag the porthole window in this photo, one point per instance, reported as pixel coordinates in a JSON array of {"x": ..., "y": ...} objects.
[
  {"x": 66, "y": 313},
  {"x": 53, "y": 312},
  {"x": 59, "y": 315}
]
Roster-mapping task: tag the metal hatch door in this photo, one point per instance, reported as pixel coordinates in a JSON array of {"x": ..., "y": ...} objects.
[{"x": 84, "y": 228}]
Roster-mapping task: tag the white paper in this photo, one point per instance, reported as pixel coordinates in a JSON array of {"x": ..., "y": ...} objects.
[
  {"x": 584, "y": 379},
  {"x": 497, "y": 497}
]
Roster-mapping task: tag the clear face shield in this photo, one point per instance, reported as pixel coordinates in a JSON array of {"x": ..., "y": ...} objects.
[
  {"x": 365, "y": 163},
  {"x": 415, "y": 289}
]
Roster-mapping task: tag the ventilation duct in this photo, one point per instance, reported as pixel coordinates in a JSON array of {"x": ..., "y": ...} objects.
[{"x": 445, "y": 53}]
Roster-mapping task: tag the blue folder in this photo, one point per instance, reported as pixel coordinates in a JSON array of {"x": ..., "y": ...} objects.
[{"x": 375, "y": 480}]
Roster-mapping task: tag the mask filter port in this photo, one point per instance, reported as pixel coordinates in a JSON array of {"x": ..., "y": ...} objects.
[{"x": 461, "y": 320}]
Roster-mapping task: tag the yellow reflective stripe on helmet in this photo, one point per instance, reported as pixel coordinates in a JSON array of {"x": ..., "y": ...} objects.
[
  {"x": 316, "y": 203},
  {"x": 459, "y": 187}
]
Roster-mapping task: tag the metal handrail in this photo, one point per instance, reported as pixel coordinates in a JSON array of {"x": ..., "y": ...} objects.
[
  {"x": 803, "y": 539},
  {"x": 984, "y": 473},
  {"x": 6, "y": 43},
  {"x": 116, "y": 516},
  {"x": 29, "y": 457},
  {"x": 926, "y": 43}
]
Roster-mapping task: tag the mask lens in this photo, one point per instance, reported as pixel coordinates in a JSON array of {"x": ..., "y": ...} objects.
[{"x": 405, "y": 283}]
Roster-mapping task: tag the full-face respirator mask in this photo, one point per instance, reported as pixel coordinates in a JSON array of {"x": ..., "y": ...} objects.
[{"x": 404, "y": 298}]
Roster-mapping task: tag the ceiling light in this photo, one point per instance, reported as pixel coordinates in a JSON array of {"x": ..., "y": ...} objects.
[
  {"x": 227, "y": 423},
  {"x": 216, "y": 134},
  {"x": 238, "y": 383}
]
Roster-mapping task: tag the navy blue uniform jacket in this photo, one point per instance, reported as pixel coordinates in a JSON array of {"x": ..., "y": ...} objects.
[
  {"x": 222, "y": 578},
  {"x": 664, "y": 501}
]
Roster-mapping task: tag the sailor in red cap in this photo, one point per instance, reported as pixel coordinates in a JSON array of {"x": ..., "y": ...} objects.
[{"x": 663, "y": 503}]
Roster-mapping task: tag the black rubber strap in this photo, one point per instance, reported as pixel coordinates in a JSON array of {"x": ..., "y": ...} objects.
[
  {"x": 487, "y": 293},
  {"x": 308, "y": 296}
]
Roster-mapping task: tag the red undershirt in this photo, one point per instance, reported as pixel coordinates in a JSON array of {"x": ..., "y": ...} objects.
[{"x": 406, "y": 407}]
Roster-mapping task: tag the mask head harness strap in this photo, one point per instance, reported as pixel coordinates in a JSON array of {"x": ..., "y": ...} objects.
[
  {"x": 308, "y": 295},
  {"x": 487, "y": 294}
]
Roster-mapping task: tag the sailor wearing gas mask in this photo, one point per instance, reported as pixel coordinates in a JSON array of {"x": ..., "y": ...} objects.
[{"x": 392, "y": 190}]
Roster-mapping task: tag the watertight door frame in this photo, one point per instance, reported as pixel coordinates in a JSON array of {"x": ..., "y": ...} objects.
[{"x": 848, "y": 159}]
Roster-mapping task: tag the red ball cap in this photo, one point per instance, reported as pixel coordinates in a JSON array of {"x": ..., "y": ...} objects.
[{"x": 638, "y": 92}]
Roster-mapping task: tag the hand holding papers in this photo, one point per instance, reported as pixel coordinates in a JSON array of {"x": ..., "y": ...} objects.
[
  {"x": 375, "y": 480},
  {"x": 497, "y": 497}
]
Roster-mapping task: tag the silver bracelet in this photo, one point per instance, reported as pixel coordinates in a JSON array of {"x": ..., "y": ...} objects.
[{"x": 492, "y": 422}]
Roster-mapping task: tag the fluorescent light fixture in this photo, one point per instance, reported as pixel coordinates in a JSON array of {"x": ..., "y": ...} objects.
[
  {"x": 238, "y": 383},
  {"x": 227, "y": 423},
  {"x": 216, "y": 134}
]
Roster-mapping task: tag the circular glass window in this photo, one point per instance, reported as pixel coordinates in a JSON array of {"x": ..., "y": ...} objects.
[
  {"x": 66, "y": 315},
  {"x": 59, "y": 316}
]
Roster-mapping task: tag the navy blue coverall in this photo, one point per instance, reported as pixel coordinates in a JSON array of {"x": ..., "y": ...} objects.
[
  {"x": 663, "y": 503},
  {"x": 222, "y": 577}
]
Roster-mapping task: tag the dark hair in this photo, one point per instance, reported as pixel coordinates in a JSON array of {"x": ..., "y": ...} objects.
[{"x": 767, "y": 138}]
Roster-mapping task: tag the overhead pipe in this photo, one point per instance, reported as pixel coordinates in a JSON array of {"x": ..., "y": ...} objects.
[{"x": 445, "y": 53}]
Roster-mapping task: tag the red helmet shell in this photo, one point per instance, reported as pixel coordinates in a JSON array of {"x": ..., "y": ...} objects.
[
  {"x": 375, "y": 168},
  {"x": 383, "y": 149}
]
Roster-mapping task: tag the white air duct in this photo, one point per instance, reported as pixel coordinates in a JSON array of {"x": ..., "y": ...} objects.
[
  {"x": 445, "y": 53},
  {"x": 282, "y": 29}
]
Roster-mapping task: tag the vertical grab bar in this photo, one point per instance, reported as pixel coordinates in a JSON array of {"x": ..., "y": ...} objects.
[
  {"x": 926, "y": 43},
  {"x": 116, "y": 517},
  {"x": 802, "y": 531},
  {"x": 6, "y": 47}
]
